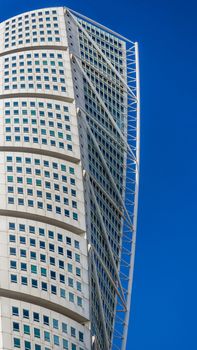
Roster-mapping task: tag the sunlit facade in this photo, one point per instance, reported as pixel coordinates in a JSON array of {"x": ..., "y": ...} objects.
[{"x": 69, "y": 166}]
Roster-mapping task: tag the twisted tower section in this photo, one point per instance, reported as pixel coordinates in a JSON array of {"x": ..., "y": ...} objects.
[
  {"x": 69, "y": 178},
  {"x": 44, "y": 293}
]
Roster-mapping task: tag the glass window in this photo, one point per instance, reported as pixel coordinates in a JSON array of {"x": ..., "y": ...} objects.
[
  {"x": 26, "y": 329},
  {"x": 81, "y": 336},
  {"x": 13, "y": 278},
  {"x": 56, "y": 339},
  {"x": 78, "y": 286},
  {"x": 70, "y": 268},
  {"x": 65, "y": 344},
  {"x": 24, "y": 280},
  {"x": 25, "y": 313},
  {"x": 36, "y": 316},
  {"x": 43, "y": 271},
  {"x": 44, "y": 286},
  {"x": 27, "y": 345},
  {"x": 73, "y": 331},
  {"x": 53, "y": 290},
  {"x": 13, "y": 264},
  {"x": 76, "y": 244},
  {"x": 46, "y": 336},
  {"x": 16, "y": 327},
  {"x": 64, "y": 327},
  {"x": 46, "y": 320},
  {"x": 33, "y": 269},
  {"x": 17, "y": 343},
  {"x": 78, "y": 271},
  {"x": 23, "y": 266},
  {"x": 69, "y": 254},
  {"x": 36, "y": 332},
  {"x": 15, "y": 311},
  {"x": 55, "y": 323},
  {"x": 37, "y": 347}
]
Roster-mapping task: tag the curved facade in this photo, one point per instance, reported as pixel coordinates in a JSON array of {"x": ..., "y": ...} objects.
[{"x": 68, "y": 182}]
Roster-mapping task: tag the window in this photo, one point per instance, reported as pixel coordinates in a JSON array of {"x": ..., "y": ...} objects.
[
  {"x": 56, "y": 340},
  {"x": 62, "y": 278},
  {"x": 36, "y": 332},
  {"x": 24, "y": 280},
  {"x": 23, "y": 266},
  {"x": 55, "y": 323},
  {"x": 27, "y": 345},
  {"x": 33, "y": 255},
  {"x": 43, "y": 271},
  {"x": 61, "y": 264},
  {"x": 43, "y": 257},
  {"x": 13, "y": 278},
  {"x": 12, "y": 238},
  {"x": 38, "y": 347},
  {"x": 46, "y": 336},
  {"x": 46, "y": 320},
  {"x": 26, "y": 329},
  {"x": 68, "y": 240},
  {"x": 64, "y": 327},
  {"x": 17, "y": 343},
  {"x": 12, "y": 251},
  {"x": 33, "y": 269},
  {"x": 36, "y": 317},
  {"x": 70, "y": 282},
  {"x": 70, "y": 268},
  {"x": 71, "y": 297},
  {"x": 69, "y": 254},
  {"x": 15, "y": 311},
  {"x": 53, "y": 290},
  {"x": 79, "y": 301},
  {"x": 81, "y": 336},
  {"x": 65, "y": 344},
  {"x": 78, "y": 271},
  {"x": 75, "y": 216},
  {"x": 44, "y": 286},
  {"x": 13, "y": 264},
  {"x": 73, "y": 331},
  {"x": 25, "y": 313},
  {"x": 60, "y": 251},
  {"x": 16, "y": 326},
  {"x": 79, "y": 286}
]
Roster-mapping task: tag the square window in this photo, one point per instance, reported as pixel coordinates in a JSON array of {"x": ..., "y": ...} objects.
[
  {"x": 13, "y": 264},
  {"x": 26, "y": 329},
  {"x": 15, "y": 311},
  {"x": 34, "y": 283},
  {"x": 13, "y": 278},
  {"x": 16, "y": 327},
  {"x": 36, "y": 317},
  {"x": 27, "y": 345},
  {"x": 17, "y": 343},
  {"x": 25, "y": 313}
]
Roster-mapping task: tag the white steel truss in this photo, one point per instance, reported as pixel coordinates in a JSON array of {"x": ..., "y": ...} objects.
[{"x": 130, "y": 143}]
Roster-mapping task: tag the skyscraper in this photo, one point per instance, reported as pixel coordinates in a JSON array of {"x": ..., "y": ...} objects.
[{"x": 69, "y": 169}]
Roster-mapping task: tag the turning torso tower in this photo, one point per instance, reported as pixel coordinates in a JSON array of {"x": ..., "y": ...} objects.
[{"x": 69, "y": 170}]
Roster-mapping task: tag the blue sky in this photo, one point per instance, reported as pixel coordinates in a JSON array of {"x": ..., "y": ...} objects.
[{"x": 164, "y": 303}]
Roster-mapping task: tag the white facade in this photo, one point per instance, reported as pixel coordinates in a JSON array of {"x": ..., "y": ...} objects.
[{"x": 64, "y": 167}]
